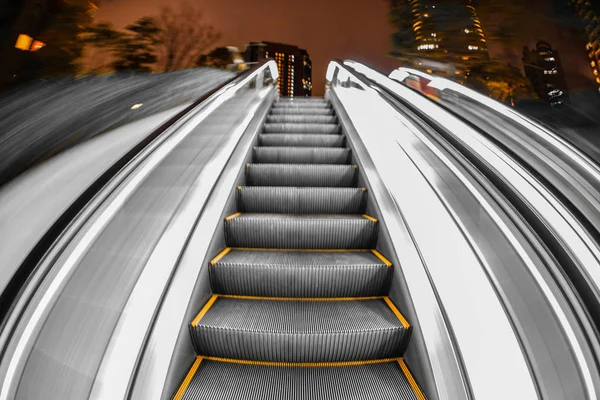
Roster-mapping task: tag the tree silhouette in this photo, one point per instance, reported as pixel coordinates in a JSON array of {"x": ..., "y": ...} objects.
[
  {"x": 136, "y": 50},
  {"x": 183, "y": 36},
  {"x": 501, "y": 81},
  {"x": 217, "y": 58}
]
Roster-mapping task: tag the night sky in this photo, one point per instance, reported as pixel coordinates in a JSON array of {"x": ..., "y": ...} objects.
[{"x": 356, "y": 29}]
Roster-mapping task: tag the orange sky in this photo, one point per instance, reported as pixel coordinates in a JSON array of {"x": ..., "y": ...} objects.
[{"x": 329, "y": 29}]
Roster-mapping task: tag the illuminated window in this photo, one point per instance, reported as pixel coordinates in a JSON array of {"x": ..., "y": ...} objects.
[
  {"x": 467, "y": 30},
  {"x": 593, "y": 63},
  {"x": 549, "y": 58},
  {"x": 473, "y": 47}
]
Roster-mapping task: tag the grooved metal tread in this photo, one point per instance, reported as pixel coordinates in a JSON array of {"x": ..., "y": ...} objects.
[
  {"x": 301, "y": 231},
  {"x": 301, "y": 128},
  {"x": 291, "y": 199},
  {"x": 276, "y": 273},
  {"x": 314, "y": 104},
  {"x": 307, "y": 330},
  {"x": 301, "y": 140},
  {"x": 328, "y": 175},
  {"x": 301, "y": 111},
  {"x": 302, "y": 155},
  {"x": 212, "y": 379},
  {"x": 307, "y": 118}
]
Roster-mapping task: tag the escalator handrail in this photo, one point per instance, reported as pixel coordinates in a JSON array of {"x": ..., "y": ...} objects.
[
  {"x": 42, "y": 258},
  {"x": 430, "y": 116}
]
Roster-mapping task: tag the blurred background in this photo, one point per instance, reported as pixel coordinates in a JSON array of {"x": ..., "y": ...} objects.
[{"x": 539, "y": 56}]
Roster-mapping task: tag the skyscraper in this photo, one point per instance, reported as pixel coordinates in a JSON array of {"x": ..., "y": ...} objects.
[
  {"x": 438, "y": 30},
  {"x": 293, "y": 64},
  {"x": 589, "y": 12},
  {"x": 543, "y": 68}
]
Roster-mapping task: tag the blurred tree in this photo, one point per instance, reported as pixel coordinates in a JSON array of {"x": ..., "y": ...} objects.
[
  {"x": 132, "y": 50},
  {"x": 60, "y": 29},
  {"x": 103, "y": 40},
  {"x": 183, "y": 36},
  {"x": 217, "y": 58},
  {"x": 136, "y": 50},
  {"x": 501, "y": 81}
]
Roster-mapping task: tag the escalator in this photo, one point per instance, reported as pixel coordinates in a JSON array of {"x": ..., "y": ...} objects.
[{"x": 300, "y": 307}]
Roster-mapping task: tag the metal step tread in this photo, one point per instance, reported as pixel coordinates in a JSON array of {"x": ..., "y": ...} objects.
[
  {"x": 301, "y": 231},
  {"x": 329, "y": 175},
  {"x": 301, "y": 140},
  {"x": 292, "y": 199},
  {"x": 282, "y": 127},
  {"x": 299, "y": 330},
  {"x": 210, "y": 379},
  {"x": 302, "y": 155},
  {"x": 294, "y": 273},
  {"x": 291, "y": 118},
  {"x": 301, "y": 111}
]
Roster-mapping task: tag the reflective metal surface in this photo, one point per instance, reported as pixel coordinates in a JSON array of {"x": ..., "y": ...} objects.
[
  {"x": 540, "y": 316},
  {"x": 111, "y": 277}
]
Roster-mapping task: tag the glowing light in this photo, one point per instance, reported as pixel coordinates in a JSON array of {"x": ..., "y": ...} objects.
[
  {"x": 136, "y": 106},
  {"x": 36, "y": 45},
  {"x": 24, "y": 42},
  {"x": 467, "y": 31}
]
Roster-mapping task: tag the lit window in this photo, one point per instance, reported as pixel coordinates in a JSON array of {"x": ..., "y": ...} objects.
[
  {"x": 473, "y": 47},
  {"x": 426, "y": 15},
  {"x": 549, "y": 58},
  {"x": 595, "y": 72},
  {"x": 593, "y": 63},
  {"x": 467, "y": 30},
  {"x": 434, "y": 34}
]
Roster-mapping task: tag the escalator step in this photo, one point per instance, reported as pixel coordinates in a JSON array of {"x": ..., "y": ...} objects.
[
  {"x": 302, "y": 111},
  {"x": 305, "y": 200},
  {"x": 300, "y": 273},
  {"x": 302, "y": 155},
  {"x": 330, "y": 129},
  {"x": 211, "y": 379},
  {"x": 301, "y": 231},
  {"x": 297, "y": 119},
  {"x": 301, "y": 140},
  {"x": 311, "y": 104},
  {"x": 301, "y": 175},
  {"x": 302, "y": 330}
]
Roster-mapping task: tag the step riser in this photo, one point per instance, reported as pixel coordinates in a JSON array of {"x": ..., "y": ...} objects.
[
  {"x": 298, "y": 348},
  {"x": 295, "y": 200},
  {"x": 300, "y": 281},
  {"x": 301, "y": 175},
  {"x": 301, "y": 140},
  {"x": 310, "y": 119},
  {"x": 302, "y": 155},
  {"x": 282, "y": 233},
  {"x": 331, "y": 129}
]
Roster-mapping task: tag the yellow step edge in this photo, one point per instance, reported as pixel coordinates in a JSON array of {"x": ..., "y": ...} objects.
[
  {"x": 233, "y": 296},
  {"x": 382, "y": 258},
  {"x": 303, "y": 250},
  {"x": 355, "y": 166},
  {"x": 220, "y": 255},
  {"x": 397, "y": 313},
  {"x": 411, "y": 380},
  {"x": 369, "y": 218},
  {"x": 364, "y": 189},
  {"x": 239, "y": 188},
  {"x": 204, "y": 309},
  {"x": 188, "y": 378},
  {"x": 304, "y": 364},
  {"x": 233, "y": 216}
]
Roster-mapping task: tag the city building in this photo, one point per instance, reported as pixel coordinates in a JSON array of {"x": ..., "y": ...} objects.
[
  {"x": 589, "y": 13},
  {"x": 440, "y": 35},
  {"x": 294, "y": 66},
  {"x": 543, "y": 68}
]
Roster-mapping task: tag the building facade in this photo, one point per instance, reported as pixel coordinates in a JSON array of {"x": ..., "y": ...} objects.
[
  {"x": 543, "y": 68},
  {"x": 589, "y": 12},
  {"x": 436, "y": 34},
  {"x": 293, "y": 64}
]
